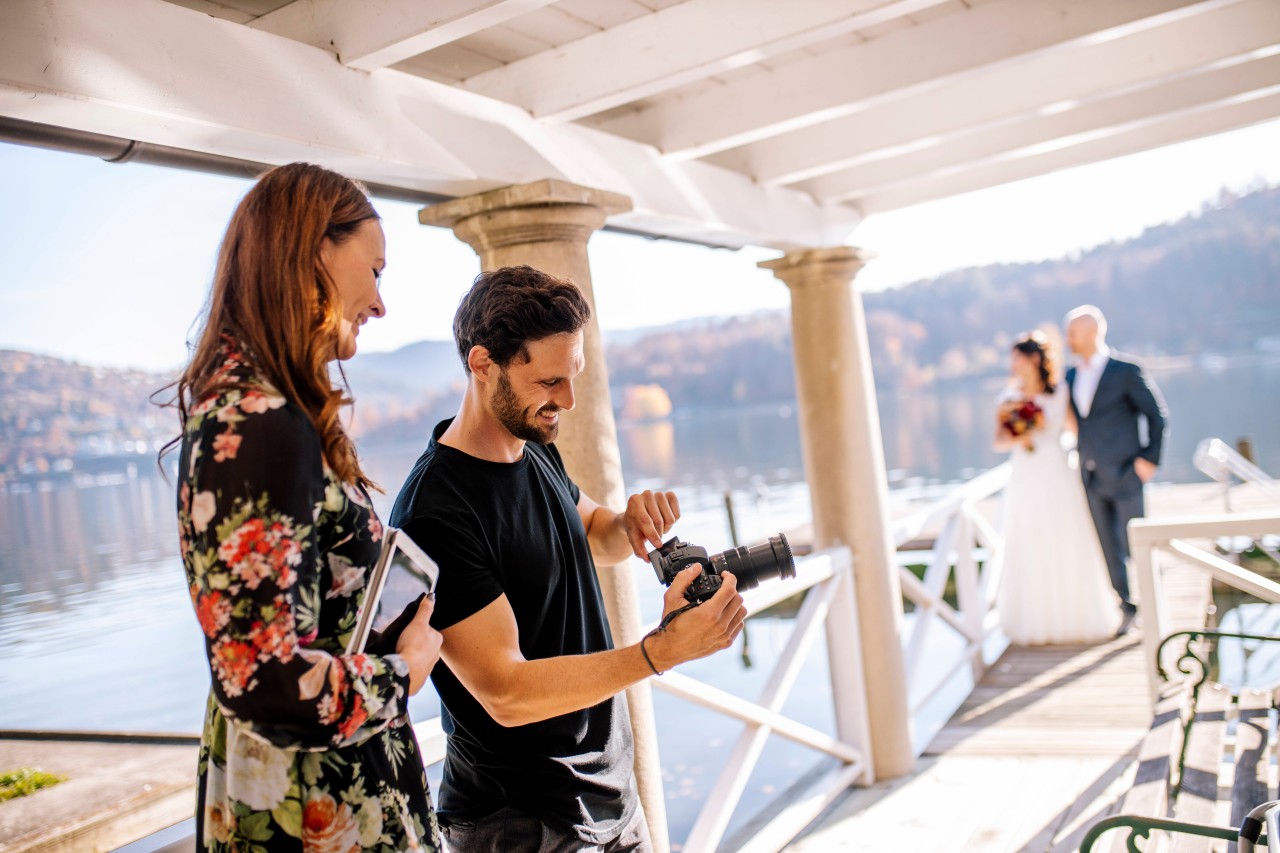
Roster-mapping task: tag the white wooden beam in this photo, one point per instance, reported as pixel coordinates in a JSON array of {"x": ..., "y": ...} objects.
[
  {"x": 681, "y": 43},
  {"x": 932, "y": 55},
  {"x": 1210, "y": 119},
  {"x": 378, "y": 33},
  {"x": 1173, "y": 95},
  {"x": 160, "y": 73},
  {"x": 1004, "y": 93}
]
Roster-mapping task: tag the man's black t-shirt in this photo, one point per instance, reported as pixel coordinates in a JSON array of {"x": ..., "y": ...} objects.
[{"x": 513, "y": 528}]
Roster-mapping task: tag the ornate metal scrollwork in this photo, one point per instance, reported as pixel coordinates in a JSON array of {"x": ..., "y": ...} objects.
[
  {"x": 1191, "y": 663},
  {"x": 1140, "y": 830}
]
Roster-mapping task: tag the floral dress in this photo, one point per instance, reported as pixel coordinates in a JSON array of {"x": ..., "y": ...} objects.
[{"x": 304, "y": 747}]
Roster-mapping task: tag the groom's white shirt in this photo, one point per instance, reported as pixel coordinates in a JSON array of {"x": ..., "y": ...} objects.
[{"x": 1088, "y": 375}]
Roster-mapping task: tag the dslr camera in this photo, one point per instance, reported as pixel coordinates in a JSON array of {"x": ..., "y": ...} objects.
[{"x": 749, "y": 564}]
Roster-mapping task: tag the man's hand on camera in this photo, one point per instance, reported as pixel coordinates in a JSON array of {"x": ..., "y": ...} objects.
[
  {"x": 648, "y": 517},
  {"x": 710, "y": 627}
]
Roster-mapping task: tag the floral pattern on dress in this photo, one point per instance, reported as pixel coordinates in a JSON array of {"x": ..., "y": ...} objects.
[{"x": 304, "y": 747}]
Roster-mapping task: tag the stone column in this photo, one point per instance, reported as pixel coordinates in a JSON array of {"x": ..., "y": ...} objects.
[
  {"x": 546, "y": 225},
  {"x": 844, "y": 463}
]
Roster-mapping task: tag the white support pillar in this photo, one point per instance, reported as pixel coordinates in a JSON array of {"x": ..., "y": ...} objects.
[
  {"x": 546, "y": 225},
  {"x": 844, "y": 463}
]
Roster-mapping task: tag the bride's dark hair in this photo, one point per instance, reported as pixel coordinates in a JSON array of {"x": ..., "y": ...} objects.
[{"x": 1037, "y": 343}]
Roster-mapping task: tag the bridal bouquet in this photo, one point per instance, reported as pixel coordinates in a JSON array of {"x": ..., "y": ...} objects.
[{"x": 1023, "y": 418}]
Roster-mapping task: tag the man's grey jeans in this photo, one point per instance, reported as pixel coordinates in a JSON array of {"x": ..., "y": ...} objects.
[{"x": 510, "y": 831}]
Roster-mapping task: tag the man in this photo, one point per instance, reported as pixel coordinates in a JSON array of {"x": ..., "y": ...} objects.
[
  {"x": 540, "y": 752},
  {"x": 1109, "y": 395}
]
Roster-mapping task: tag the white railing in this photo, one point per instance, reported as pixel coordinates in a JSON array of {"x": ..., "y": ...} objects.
[
  {"x": 1218, "y": 461},
  {"x": 1150, "y": 538},
  {"x": 829, "y": 605},
  {"x": 965, "y": 539}
]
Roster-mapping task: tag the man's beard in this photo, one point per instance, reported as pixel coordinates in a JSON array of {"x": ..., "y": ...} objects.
[{"x": 520, "y": 422}]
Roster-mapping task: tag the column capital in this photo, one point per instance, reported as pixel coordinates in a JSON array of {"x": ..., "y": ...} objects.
[
  {"x": 818, "y": 267},
  {"x": 546, "y": 211},
  {"x": 544, "y": 193}
]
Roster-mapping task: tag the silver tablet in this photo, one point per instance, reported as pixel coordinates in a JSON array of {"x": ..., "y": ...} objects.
[{"x": 402, "y": 573}]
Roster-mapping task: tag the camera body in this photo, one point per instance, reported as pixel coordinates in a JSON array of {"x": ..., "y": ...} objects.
[
  {"x": 749, "y": 565},
  {"x": 674, "y": 557}
]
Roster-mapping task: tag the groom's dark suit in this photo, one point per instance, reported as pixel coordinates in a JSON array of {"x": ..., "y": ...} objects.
[{"x": 1109, "y": 443}]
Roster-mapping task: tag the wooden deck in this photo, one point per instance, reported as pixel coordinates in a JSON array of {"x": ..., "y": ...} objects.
[{"x": 1044, "y": 746}]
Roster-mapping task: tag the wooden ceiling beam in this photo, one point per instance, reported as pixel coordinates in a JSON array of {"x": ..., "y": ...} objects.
[
  {"x": 1207, "y": 120},
  {"x": 1008, "y": 93},
  {"x": 378, "y": 33},
  {"x": 159, "y": 73},
  {"x": 1090, "y": 119},
  {"x": 931, "y": 56},
  {"x": 676, "y": 45}
]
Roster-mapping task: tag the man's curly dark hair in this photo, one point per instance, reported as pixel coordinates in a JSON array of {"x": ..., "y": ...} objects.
[{"x": 507, "y": 308}]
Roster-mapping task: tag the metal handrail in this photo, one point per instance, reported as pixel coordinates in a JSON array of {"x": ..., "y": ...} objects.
[
  {"x": 1219, "y": 461},
  {"x": 1191, "y": 653},
  {"x": 1141, "y": 829},
  {"x": 1265, "y": 815}
]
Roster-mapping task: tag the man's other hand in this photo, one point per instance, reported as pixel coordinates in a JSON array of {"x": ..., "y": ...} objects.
[
  {"x": 1144, "y": 468},
  {"x": 648, "y": 517}
]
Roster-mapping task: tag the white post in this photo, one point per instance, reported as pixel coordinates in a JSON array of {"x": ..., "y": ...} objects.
[
  {"x": 968, "y": 592},
  {"x": 844, "y": 658},
  {"x": 935, "y": 583},
  {"x": 1151, "y": 605}
]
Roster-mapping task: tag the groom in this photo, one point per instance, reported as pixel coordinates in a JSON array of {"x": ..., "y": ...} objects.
[{"x": 1109, "y": 396}]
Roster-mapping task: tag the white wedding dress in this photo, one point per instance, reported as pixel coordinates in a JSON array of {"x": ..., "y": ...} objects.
[{"x": 1054, "y": 588}]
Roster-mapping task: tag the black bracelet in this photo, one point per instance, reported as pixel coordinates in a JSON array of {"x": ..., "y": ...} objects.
[{"x": 645, "y": 652}]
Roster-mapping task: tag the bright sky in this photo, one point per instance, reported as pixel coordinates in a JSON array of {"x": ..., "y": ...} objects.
[{"x": 110, "y": 264}]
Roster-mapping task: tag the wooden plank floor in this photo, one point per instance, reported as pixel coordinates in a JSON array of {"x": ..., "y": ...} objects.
[{"x": 1042, "y": 749}]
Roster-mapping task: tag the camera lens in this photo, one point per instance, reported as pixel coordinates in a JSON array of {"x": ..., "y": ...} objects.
[{"x": 755, "y": 563}]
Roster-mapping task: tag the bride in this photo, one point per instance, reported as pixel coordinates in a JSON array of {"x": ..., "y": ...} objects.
[{"x": 1054, "y": 587}]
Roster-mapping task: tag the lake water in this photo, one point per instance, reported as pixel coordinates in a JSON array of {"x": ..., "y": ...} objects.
[{"x": 96, "y": 631}]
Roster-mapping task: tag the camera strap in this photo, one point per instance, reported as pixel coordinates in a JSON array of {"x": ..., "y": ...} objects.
[{"x": 666, "y": 620}]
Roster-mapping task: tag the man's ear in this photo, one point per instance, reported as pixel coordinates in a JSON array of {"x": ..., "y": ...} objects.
[{"x": 481, "y": 365}]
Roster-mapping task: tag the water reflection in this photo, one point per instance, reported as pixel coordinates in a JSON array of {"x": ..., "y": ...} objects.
[
  {"x": 650, "y": 447},
  {"x": 58, "y": 541}
]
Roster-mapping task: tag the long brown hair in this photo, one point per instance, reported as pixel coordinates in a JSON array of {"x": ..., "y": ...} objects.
[
  {"x": 1036, "y": 343},
  {"x": 273, "y": 296}
]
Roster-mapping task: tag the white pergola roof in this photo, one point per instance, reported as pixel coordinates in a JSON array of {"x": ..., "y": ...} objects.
[{"x": 730, "y": 122}]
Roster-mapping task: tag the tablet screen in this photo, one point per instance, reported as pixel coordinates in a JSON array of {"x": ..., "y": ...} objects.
[
  {"x": 409, "y": 574},
  {"x": 402, "y": 573}
]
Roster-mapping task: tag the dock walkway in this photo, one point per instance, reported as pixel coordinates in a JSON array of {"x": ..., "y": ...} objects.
[{"x": 1042, "y": 748}]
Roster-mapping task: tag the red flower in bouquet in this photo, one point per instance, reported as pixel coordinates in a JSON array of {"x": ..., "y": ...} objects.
[{"x": 1023, "y": 419}]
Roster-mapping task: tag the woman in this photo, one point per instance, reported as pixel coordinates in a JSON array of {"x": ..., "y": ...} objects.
[
  {"x": 304, "y": 747},
  {"x": 1054, "y": 587}
]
